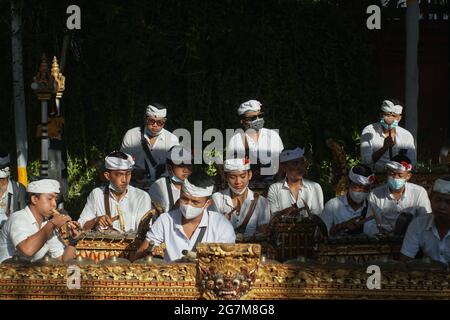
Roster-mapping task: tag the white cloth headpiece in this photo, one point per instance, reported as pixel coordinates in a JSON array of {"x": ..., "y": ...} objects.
[
  {"x": 114, "y": 163},
  {"x": 389, "y": 106},
  {"x": 359, "y": 179},
  {"x": 236, "y": 165},
  {"x": 197, "y": 191},
  {"x": 178, "y": 155},
  {"x": 442, "y": 186},
  {"x": 249, "y": 106},
  {"x": 155, "y": 112},
  {"x": 291, "y": 154},
  {"x": 43, "y": 186},
  {"x": 4, "y": 173},
  {"x": 399, "y": 166}
]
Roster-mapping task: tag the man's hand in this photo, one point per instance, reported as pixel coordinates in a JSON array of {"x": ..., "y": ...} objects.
[
  {"x": 104, "y": 221},
  {"x": 351, "y": 224},
  {"x": 74, "y": 229},
  {"x": 59, "y": 220}
]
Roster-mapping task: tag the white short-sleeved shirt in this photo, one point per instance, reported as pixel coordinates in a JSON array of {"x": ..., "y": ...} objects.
[
  {"x": 131, "y": 144},
  {"x": 280, "y": 196},
  {"x": 159, "y": 194},
  {"x": 423, "y": 234},
  {"x": 338, "y": 210},
  {"x": 133, "y": 206},
  {"x": 269, "y": 143},
  {"x": 169, "y": 230},
  {"x": 372, "y": 139},
  {"x": 414, "y": 200},
  {"x": 4, "y": 203},
  {"x": 261, "y": 215},
  {"x": 20, "y": 226}
]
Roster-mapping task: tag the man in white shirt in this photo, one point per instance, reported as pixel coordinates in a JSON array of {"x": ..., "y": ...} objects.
[
  {"x": 117, "y": 205},
  {"x": 353, "y": 213},
  {"x": 295, "y": 192},
  {"x": 431, "y": 233},
  {"x": 30, "y": 233},
  {"x": 166, "y": 190},
  {"x": 397, "y": 195},
  {"x": 148, "y": 145},
  {"x": 262, "y": 146},
  {"x": 248, "y": 212},
  {"x": 182, "y": 228},
  {"x": 385, "y": 139},
  {"x": 12, "y": 193}
]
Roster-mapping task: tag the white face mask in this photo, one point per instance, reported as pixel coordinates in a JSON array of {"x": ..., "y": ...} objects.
[
  {"x": 236, "y": 191},
  {"x": 114, "y": 188},
  {"x": 358, "y": 197},
  {"x": 190, "y": 212}
]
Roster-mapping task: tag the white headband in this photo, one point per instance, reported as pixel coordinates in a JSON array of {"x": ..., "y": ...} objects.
[
  {"x": 4, "y": 173},
  {"x": 231, "y": 165},
  {"x": 155, "y": 112},
  {"x": 114, "y": 163},
  {"x": 249, "y": 106},
  {"x": 197, "y": 191},
  {"x": 359, "y": 179},
  {"x": 44, "y": 186},
  {"x": 399, "y": 166},
  {"x": 288, "y": 155},
  {"x": 388, "y": 106},
  {"x": 442, "y": 186}
]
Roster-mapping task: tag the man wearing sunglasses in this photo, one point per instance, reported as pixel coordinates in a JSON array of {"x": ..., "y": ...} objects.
[
  {"x": 262, "y": 146},
  {"x": 385, "y": 139},
  {"x": 148, "y": 145},
  {"x": 116, "y": 205}
]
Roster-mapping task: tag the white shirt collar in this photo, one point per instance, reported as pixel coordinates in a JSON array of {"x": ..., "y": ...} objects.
[
  {"x": 302, "y": 185},
  {"x": 29, "y": 216}
]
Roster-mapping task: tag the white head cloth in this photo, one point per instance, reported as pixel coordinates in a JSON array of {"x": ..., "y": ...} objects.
[
  {"x": 4, "y": 173},
  {"x": 43, "y": 186},
  {"x": 389, "y": 106},
  {"x": 359, "y": 179},
  {"x": 236, "y": 165},
  {"x": 249, "y": 106},
  {"x": 178, "y": 155},
  {"x": 4, "y": 160},
  {"x": 197, "y": 191},
  {"x": 114, "y": 163},
  {"x": 399, "y": 166},
  {"x": 288, "y": 154},
  {"x": 442, "y": 186},
  {"x": 155, "y": 112}
]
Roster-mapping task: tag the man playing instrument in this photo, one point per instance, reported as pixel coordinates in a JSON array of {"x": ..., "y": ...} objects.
[
  {"x": 31, "y": 233},
  {"x": 353, "y": 213},
  {"x": 116, "y": 205},
  {"x": 247, "y": 211}
]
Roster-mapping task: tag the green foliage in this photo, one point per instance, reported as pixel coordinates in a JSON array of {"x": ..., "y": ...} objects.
[{"x": 309, "y": 62}]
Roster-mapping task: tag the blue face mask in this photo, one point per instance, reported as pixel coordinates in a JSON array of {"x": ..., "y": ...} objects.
[
  {"x": 386, "y": 126},
  {"x": 396, "y": 184}
]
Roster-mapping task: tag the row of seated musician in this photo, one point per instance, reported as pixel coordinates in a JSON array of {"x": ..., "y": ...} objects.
[{"x": 202, "y": 215}]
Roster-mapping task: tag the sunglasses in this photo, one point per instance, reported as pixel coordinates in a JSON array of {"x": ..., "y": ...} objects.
[{"x": 160, "y": 123}]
